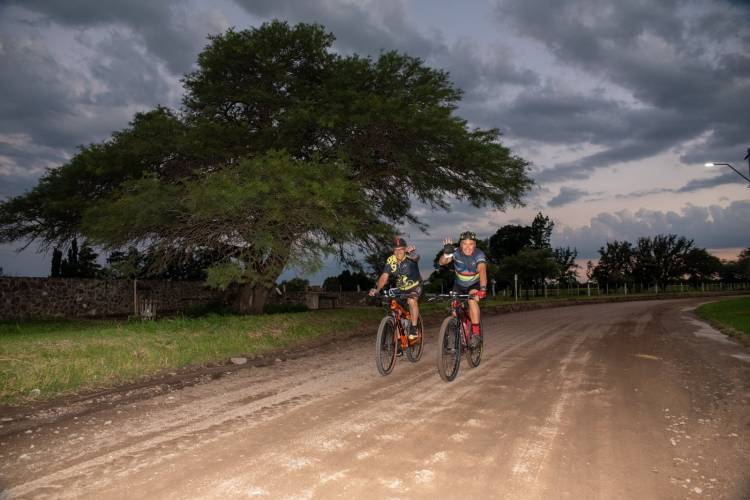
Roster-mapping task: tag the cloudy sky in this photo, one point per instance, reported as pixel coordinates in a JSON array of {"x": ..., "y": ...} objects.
[{"x": 617, "y": 104}]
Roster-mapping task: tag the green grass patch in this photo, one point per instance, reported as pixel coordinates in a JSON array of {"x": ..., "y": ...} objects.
[
  {"x": 733, "y": 314},
  {"x": 62, "y": 357}
]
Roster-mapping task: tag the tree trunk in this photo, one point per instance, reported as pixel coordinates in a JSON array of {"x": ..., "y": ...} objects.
[
  {"x": 252, "y": 299},
  {"x": 260, "y": 296}
]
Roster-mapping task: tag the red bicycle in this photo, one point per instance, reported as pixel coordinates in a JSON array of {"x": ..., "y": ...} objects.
[
  {"x": 453, "y": 338},
  {"x": 393, "y": 333}
]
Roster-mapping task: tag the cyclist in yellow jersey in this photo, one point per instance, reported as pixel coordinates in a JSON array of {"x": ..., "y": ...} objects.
[
  {"x": 403, "y": 264},
  {"x": 470, "y": 266}
]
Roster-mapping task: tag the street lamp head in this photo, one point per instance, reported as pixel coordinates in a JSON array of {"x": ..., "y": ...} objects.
[{"x": 715, "y": 164}]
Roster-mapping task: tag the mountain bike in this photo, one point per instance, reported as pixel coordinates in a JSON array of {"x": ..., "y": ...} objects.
[
  {"x": 453, "y": 338},
  {"x": 392, "y": 337}
]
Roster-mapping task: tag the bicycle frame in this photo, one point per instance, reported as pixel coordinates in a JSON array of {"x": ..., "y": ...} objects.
[
  {"x": 398, "y": 312},
  {"x": 459, "y": 309},
  {"x": 393, "y": 335},
  {"x": 450, "y": 348}
]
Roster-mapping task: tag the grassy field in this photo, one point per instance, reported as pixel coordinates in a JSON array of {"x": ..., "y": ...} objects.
[
  {"x": 61, "y": 357},
  {"x": 731, "y": 313}
]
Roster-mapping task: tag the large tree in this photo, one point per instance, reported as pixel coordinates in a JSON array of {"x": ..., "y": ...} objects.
[
  {"x": 263, "y": 214},
  {"x": 661, "y": 259},
  {"x": 283, "y": 150},
  {"x": 541, "y": 231},
  {"x": 508, "y": 240},
  {"x": 532, "y": 265},
  {"x": 565, "y": 258},
  {"x": 701, "y": 266},
  {"x": 615, "y": 263}
]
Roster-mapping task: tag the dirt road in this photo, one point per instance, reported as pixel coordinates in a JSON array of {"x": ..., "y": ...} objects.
[{"x": 631, "y": 400}]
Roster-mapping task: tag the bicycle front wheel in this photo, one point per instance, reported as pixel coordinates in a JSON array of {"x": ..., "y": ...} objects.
[
  {"x": 449, "y": 349},
  {"x": 414, "y": 352},
  {"x": 474, "y": 354},
  {"x": 385, "y": 346}
]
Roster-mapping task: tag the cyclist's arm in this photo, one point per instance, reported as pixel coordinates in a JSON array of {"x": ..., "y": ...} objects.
[
  {"x": 413, "y": 256},
  {"x": 482, "y": 268},
  {"x": 381, "y": 281}
]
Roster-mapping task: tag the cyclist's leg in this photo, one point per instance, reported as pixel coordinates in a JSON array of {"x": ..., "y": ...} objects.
[
  {"x": 474, "y": 313},
  {"x": 413, "y": 301}
]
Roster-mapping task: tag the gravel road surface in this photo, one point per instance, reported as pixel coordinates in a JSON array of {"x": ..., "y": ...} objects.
[{"x": 633, "y": 400}]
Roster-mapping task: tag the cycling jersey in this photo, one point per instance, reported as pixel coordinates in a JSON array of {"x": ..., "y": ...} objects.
[
  {"x": 467, "y": 267},
  {"x": 406, "y": 272}
]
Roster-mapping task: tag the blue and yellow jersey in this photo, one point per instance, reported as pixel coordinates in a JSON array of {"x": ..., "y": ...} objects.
[
  {"x": 467, "y": 266},
  {"x": 406, "y": 272}
]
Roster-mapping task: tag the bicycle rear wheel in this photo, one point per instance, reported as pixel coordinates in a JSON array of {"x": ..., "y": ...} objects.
[
  {"x": 474, "y": 354},
  {"x": 449, "y": 349},
  {"x": 414, "y": 351},
  {"x": 385, "y": 346}
]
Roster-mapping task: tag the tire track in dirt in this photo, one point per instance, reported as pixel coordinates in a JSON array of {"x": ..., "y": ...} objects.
[{"x": 216, "y": 419}]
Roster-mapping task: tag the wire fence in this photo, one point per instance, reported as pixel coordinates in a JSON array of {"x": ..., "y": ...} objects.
[{"x": 613, "y": 289}]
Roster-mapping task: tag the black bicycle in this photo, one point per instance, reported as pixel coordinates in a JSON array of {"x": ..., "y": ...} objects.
[
  {"x": 453, "y": 338},
  {"x": 393, "y": 331}
]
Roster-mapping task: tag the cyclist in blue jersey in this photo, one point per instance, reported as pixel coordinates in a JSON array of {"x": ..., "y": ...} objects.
[
  {"x": 403, "y": 264},
  {"x": 470, "y": 266}
]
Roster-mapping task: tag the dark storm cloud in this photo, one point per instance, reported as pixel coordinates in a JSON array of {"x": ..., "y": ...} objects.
[
  {"x": 36, "y": 89},
  {"x": 129, "y": 74},
  {"x": 371, "y": 31},
  {"x": 48, "y": 109},
  {"x": 567, "y": 195},
  {"x": 718, "y": 180},
  {"x": 36, "y": 114},
  {"x": 356, "y": 28},
  {"x": 688, "y": 79},
  {"x": 721, "y": 179},
  {"x": 51, "y": 105},
  {"x": 710, "y": 227},
  {"x": 161, "y": 24}
]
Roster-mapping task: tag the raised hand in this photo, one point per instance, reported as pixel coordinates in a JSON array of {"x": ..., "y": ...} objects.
[{"x": 448, "y": 247}]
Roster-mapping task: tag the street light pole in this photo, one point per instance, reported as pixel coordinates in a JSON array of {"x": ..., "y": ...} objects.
[{"x": 747, "y": 157}]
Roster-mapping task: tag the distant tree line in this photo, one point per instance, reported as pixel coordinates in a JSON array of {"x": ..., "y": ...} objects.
[
  {"x": 131, "y": 264},
  {"x": 664, "y": 259}
]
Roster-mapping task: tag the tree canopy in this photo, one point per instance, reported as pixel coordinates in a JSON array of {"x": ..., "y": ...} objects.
[{"x": 283, "y": 150}]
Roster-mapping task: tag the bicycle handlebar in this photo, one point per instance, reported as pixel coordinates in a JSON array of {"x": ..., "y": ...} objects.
[
  {"x": 394, "y": 293},
  {"x": 451, "y": 295}
]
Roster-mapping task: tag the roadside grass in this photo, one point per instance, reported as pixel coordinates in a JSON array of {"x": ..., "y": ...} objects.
[
  {"x": 64, "y": 357},
  {"x": 732, "y": 314}
]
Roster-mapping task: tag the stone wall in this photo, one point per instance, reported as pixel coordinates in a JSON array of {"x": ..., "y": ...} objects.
[
  {"x": 322, "y": 300},
  {"x": 26, "y": 298}
]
